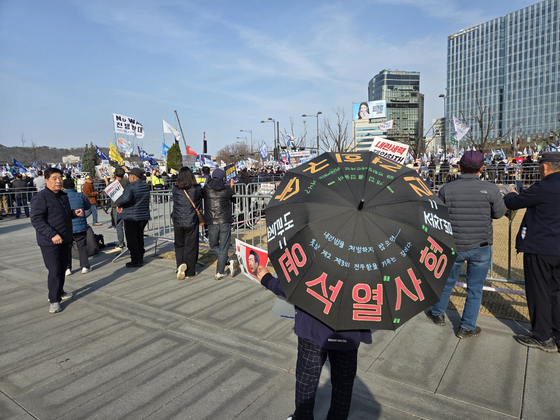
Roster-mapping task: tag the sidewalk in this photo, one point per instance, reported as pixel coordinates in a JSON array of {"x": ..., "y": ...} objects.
[{"x": 137, "y": 343}]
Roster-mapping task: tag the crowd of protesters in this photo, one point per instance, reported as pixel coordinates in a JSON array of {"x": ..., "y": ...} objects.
[{"x": 461, "y": 185}]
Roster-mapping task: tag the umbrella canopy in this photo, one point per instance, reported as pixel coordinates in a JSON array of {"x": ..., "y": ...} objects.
[{"x": 359, "y": 241}]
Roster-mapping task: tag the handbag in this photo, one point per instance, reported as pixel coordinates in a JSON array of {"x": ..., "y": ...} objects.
[{"x": 198, "y": 212}]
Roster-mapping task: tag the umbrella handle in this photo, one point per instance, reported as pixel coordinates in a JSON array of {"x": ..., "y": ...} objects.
[{"x": 361, "y": 205}]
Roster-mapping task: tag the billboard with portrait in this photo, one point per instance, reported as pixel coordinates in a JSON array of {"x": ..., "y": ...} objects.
[{"x": 368, "y": 110}]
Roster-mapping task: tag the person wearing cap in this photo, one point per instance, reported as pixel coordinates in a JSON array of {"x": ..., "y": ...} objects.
[
  {"x": 134, "y": 208},
  {"x": 218, "y": 198},
  {"x": 539, "y": 240},
  {"x": 472, "y": 204}
]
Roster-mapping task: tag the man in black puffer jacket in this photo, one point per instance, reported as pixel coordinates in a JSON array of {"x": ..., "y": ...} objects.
[
  {"x": 51, "y": 216},
  {"x": 134, "y": 208},
  {"x": 217, "y": 214}
]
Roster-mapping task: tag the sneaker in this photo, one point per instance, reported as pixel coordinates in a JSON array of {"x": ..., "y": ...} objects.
[
  {"x": 55, "y": 308},
  {"x": 220, "y": 276},
  {"x": 234, "y": 267},
  {"x": 66, "y": 296},
  {"x": 86, "y": 270},
  {"x": 111, "y": 227},
  {"x": 181, "y": 271},
  {"x": 132, "y": 265},
  {"x": 437, "y": 319},
  {"x": 528, "y": 340},
  {"x": 466, "y": 333},
  {"x": 291, "y": 417},
  {"x": 191, "y": 277},
  {"x": 97, "y": 224},
  {"x": 68, "y": 272}
]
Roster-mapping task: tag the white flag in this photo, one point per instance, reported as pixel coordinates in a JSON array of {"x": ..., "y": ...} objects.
[
  {"x": 127, "y": 125},
  {"x": 460, "y": 128},
  {"x": 387, "y": 125},
  {"x": 168, "y": 129}
]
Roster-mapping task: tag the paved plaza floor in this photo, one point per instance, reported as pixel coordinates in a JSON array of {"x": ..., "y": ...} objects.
[{"x": 138, "y": 344}]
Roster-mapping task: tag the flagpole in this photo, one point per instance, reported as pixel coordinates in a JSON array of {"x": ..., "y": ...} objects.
[{"x": 181, "y": 128}]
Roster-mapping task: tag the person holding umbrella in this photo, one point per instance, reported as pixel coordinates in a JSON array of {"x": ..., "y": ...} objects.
[
  {"x": 472, "y": 204},
  {"x": 316, "y": 341}
]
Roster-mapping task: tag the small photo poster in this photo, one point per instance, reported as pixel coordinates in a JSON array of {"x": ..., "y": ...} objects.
[{"x": 250, "y": 257}]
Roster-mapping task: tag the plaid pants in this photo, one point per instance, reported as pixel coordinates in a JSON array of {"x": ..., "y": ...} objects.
[{"x": 310, "y": 361}]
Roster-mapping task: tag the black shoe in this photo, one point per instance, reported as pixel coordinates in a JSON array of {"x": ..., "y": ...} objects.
[
  {"x": 528, "y": 340},
  {"x": 437, "y": 319},
  {"x": 134, "y": 264},
  {"x": 466, "y": 333}
]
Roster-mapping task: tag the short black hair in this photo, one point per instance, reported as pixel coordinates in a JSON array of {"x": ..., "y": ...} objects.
[
  {"x": 470, "y": 169},
  {"x": 257, "y": 258},
  {"x": 51, "y": 171}
]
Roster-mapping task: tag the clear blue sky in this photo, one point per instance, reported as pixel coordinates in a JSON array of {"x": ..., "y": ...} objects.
[{"x": 67, "y": 65}]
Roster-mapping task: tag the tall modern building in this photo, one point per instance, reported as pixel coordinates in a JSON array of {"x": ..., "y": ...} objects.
[
  {"x": 512, "y": 64},
  {"x": 405, "y": 103}
]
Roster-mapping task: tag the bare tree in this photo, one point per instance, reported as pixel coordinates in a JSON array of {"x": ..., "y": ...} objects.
[
  {"x": 233, "y": 152},
  {"x": 334, "y": 136},
  {"x": 484, "y": 121},
  {"x": 299, "y": 141}
]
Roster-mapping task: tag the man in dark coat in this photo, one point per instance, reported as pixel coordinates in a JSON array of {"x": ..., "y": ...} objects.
[
  {"x": 51, "y": 216},
  {"x": 218, "y": 216},
  {"x": 472, "y": 205},
  {"x": 539, "y": 240},
  {"x": 134, "y": 209},
  {"x": 19, "y": 186}
]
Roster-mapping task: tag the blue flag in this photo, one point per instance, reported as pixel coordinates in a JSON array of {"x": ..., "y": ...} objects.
[
  {"x": 101, "y": 155},
  {"x": 146, "y": 157},
  {"x": 19, "y": 165},
  {"x": 164, "y": 149},
  {"x": 263, "y": 152}
]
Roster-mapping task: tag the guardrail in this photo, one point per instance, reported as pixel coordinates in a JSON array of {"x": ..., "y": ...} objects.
[{"x": 249, "y": 225}]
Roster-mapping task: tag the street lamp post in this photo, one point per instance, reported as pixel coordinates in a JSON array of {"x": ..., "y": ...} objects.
[
  {"x": 273, "y": 121},
  {"x": 444, "y": 125},
  {"x": 315, "y": 116},
  {"x": 249, "y": 131}
]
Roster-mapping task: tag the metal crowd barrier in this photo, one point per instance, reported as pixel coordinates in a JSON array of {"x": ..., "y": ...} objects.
[{"x": 249, "y": 225}]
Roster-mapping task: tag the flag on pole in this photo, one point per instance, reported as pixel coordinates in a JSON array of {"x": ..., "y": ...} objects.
[
  {"x": 190, "y": 151},
  {"x": 164, "y": 148},
  {"x": 35, "y": 164},
  {"x": 124, "y": 146},
  {"x": 262, "y": 151},
  {"x": 127, "y": 125},
  {"x": 387, "y": 125},
  {"x": 146, "y": 157},
  {"x": 100, "y": 153},
  {"x": 460, "y": 128},
  {"x": 19, "y": 165},
  {"x": 114, "y": 153},
  {"x": 168, "y": 129}
]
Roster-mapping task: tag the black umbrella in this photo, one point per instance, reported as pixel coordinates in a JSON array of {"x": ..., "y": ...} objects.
[{"x": 359, "y": 241}]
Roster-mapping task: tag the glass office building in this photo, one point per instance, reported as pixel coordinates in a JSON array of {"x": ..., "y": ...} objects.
[
  {"x": 405, "y": 103},
  {"x": 512, "y": 65}
]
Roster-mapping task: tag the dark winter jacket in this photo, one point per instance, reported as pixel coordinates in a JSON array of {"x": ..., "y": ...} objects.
[
  {"x": 184, "y": 214},
  {"x": 217, "y": 202},
  {"x": 135, "y": 201},
  {"x": 472, "y": 205},
  {"x": 542, "y": 217},
  {"x": 78, "y": 201},
  {"x": 51, "y": 215},
  {"x": 19, "y": 186},
  {"x": 307, "y": 326}
]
